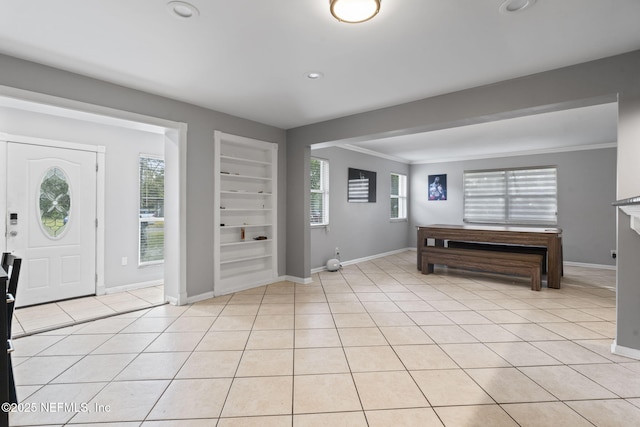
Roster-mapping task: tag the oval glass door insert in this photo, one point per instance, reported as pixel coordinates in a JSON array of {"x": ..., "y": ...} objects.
[{"x": 55, "y": 202}]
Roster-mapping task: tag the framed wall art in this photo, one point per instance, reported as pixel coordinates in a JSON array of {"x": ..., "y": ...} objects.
[{"x": 438, "y": 187}]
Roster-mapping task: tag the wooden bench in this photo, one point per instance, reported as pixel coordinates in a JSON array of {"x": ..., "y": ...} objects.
[
  {"x": 502, "y": 248},
  {"x": 519, "y": 264}
]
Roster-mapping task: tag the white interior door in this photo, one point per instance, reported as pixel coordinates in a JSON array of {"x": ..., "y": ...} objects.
[{"x": 51, "y": 221}]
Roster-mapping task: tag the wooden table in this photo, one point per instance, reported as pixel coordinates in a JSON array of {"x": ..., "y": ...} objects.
[{"x": 549, "y": 238}]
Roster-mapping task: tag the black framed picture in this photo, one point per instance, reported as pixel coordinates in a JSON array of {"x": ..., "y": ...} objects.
[
  {"x": 438, "y": 187},
  {"x": 361, "y": 186}
]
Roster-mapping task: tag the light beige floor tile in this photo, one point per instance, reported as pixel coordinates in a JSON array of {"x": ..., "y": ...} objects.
[
  {"x": 398, "y": 335},
  {"x": 153, "y": 366},
  {"x": 569, "y": 352},
  {"x": 388, "y": 390},
  {"x": 490, "y": 333},
  {"x": 573, "y": 315},
  {"x": 450, "y": 387},
  {"x": 415, "y": 357},
  {"x": 191, "y": 324},
  {"x": 545, "y": 414},
  {"x": 320, "y": 361},
  {"x": 281, "y": 299},
  {"x": 270, "y": 339},
  {"x": 314, "y": 321},
  {"x": 261, "y": 363},
  {"x": 223, "y": 340},
  {"x": 324, "y": 393},
  {"x": 211, "y": 364},
  {"x": 508, "y": 385},
  {"x": 414, "y": 305},
  {"x": 353, "y": 320},
  {"x": 127, "y": 400},
  {"x": 608, "y": 413},
  {"x": 339, "y": 419},
  {"x": 245, "y": 299},
  {"x": 522, "y": 354},
  {"x": 199, "y": 398},
  {"x": 54, "y": 404},
  {"x": 35, "y": 344},
  {"x": 567, "y": 384},
  {"x": 446, "y": 334},
  {"x": 606, "y": 329},
  {"x": 259, "y": 396},
  {"x": 310, "y": 297},
  {"x": 381, "y": 307},
  {"x": 346, "y": 307},
  {"x": 474, "y": 356},
  {"x": 95, "y": 368},
  {"x": 149, "y": 324},
  {"x": 532, "y": 332},
  {"x": 345, "y": 297},
  {"x": 177, "y": 341},
  {"x": 276, "y": 308},
  {"x": 240, "y": 310},
  {"x": 112, "y": 325},
  {"x": 270, "y": 421},
  {"x": 167, "y": 310},
  {"x": 361, "y": 337},
  {"x": 274, "y": 321},
  {"x": 371, "y": 359},
  {"x": 207, "y": 310},
  {"x": 41, "y": 370},
  {"x": 538, "y": 316},
  {"x": 126, "y": 343},
  {"x": 422, "y": 417},
  {"x": 372, "y": 296},
  {"x": 430, "y": 318},
  {"x": 305, "y": 338},
  {"x": 392, "y": 319},
  {"x": 233, "y": 323},
  {"x": 312, "y": 308},
  {"x": 617, "y": 378},
  {"x": 572, "y": 331},
  {"x": 475, "y": 416}
]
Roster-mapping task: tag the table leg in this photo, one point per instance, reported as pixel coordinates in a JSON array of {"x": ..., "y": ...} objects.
[{"x": 555, "y": 262}]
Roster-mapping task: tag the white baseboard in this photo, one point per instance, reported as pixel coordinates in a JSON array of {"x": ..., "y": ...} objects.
[
  {"x": 625, "y": 351},
  {"x": 201, "y": 297},
  {"x": 368, "y": 258},
  {"x": 587, "y": 265},
  {"x": 133, "y": 286},
  {"x": 300, "y": 280}
]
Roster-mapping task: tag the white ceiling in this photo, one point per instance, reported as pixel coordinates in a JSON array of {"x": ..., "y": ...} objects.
[{"x": 249, "y": 57}]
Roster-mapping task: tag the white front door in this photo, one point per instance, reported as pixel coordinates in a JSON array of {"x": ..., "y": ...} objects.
[{"x": 51, "y": 221}]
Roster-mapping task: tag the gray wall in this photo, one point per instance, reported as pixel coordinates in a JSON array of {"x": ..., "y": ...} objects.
[
  {"x": 123, "y": 147},
  {"x": 201, "y": 123},
  {"x": 586, "y": 189},
  {"x": 358, "y": 229}
]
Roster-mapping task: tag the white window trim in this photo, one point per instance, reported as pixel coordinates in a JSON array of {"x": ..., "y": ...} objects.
[
  {"x": 402, "y": 198},
  {"x": 324, "y": 190}
]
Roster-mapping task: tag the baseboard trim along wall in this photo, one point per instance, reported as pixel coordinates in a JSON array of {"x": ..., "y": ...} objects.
[
  {"x": 368, "y": 258},
  {"x": 133, "y": 286},
  {"x": 625, "y": 351},
  {"x": 586, "y": 265}
]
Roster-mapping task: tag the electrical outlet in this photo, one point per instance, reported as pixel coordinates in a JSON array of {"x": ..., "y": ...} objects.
[
  {"x": 614, "y": 254},
  {"x": 337, "y": 252},
  {"x": 125, "y": 260}
]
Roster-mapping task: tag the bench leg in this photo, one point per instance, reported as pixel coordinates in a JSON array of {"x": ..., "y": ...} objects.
[
  {"x": 426, "y": 267},
  {"x": 535, "y": 279}
]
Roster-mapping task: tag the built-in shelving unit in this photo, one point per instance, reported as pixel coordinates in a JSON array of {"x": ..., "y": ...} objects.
[{"x": 245, "y": 215}]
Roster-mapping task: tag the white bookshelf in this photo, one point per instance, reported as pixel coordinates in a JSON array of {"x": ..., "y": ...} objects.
[{"x": 245, "y": 197}]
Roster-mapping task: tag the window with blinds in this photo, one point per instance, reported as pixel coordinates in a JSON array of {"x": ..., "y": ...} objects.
[
  {"x": 151, "y": 210},
  {"x": 398, "y": 196},
  {"x": 319, "y": 192},
  {"x": 511, "y": 196}
]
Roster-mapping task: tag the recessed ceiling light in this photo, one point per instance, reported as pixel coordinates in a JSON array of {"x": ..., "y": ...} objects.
[
  {"x": 183, "y": 9},
  {"x": 354, "y": 11},
  {"x": 510, "y": 6},
  {"x": 314, "y": 75}
]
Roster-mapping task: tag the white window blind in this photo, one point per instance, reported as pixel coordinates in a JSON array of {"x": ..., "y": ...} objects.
[
  {"x": 398, "y": 196},
  {"x": 319, "y": 192},
  {"x": 151, "y": 213},
  {"x": 511, "y": 196}
]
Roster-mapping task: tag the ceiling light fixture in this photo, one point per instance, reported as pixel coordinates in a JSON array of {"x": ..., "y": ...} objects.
[
  {"x": 183, "y": 9},
  {"x": 314, "y": 75},
  {"x": 354, "y": 11},
  {"x": 510, "y": 6}
]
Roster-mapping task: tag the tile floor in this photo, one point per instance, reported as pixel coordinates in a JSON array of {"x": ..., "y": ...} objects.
[
  {"x": 376, "y": 344},
  {"x": 39, "y": 318}
]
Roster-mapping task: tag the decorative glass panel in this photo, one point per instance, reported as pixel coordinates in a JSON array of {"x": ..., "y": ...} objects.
[{"x": 55, "y": 202}]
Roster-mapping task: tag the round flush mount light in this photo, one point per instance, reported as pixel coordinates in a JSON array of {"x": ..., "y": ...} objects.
[
  {"x": 511, "y": 6},
  {"x": 314, "y": 75},
  {"x": 354, "y": 11},
  {"x": 183, "y": 9}
]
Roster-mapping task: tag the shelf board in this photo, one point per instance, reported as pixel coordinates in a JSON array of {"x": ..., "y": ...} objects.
[
  {"x": 245, "y": 210},
  {"x": 234, "y": 176},
  {"x": 247, "y": 193},
  {"x": 244, "y": 242},
  {"x": 245, "y": 226},
  {"x": 243, "y": 160},
  {"x": 244, "y": 259}
]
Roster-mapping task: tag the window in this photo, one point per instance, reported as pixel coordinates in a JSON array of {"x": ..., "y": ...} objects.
[
  {"x": 398, "y": 196},
  {"x": 511, "y": 196},
  {"x": 151, "y": 214},
  {"x": 319, "y": 192}
]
